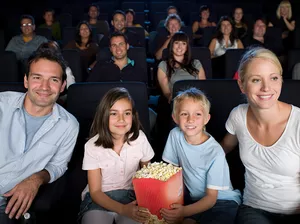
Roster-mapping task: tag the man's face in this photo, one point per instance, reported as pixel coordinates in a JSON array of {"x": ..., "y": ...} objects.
[
  {"x": 27, "y": 27},
  {"x": 259, "y": 29},
  {"x": 118, "y": 22},
  {"x": 172, "y": 11},
  {"x": 44, "y": 84},
  {"x": 118, "y": 47},
  {"x": 48, "y": 16},
  {"x": 93, "y": 12}
]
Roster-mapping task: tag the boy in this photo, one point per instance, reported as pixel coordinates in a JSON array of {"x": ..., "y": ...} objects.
[{"x": 210, "y": 197}]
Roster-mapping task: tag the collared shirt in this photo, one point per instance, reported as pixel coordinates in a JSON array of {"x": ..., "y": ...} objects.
[
  {"x": 51, "y": 147},
  {"x": 24, "y": 49},
  {"x": 117, "y": 170}
]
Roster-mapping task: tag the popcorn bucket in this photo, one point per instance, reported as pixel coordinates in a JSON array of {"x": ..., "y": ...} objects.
[{"x": 155, "y": 194}]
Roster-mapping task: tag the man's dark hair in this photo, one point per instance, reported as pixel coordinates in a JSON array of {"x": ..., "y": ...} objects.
[
  {"x": 49, "y": 10},
  {"x": 47, "y": 54},
  {"x": 26, "y": 16},
  {"x": 171, "y": 7},
  {"x": 118, "y": 12},
  {"x": 94, "y": 5},
  {"x": 118, "y": 34}
]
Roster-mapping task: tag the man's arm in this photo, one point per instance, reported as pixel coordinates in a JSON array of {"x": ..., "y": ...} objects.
[{"x": 24, "y": 193}]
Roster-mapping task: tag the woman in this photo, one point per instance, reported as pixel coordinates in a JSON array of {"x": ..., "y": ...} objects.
[
  {"x": 285, "y": 22},
  {"x": 268, "y": 134},
  {"x": 179, "y": 65},
  {"x": 198, "y": 26},
  {"x": 241, "y": 27},
  {"x": 130, "y": 16},
  {"x": 225, "y": 38},
  {"x": 173, "y": 25},
  {"x": 87, "y": 47}
]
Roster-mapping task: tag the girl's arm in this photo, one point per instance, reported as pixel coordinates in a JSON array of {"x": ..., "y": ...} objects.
[
  {"x": 229, "y": 142},
  {"x": 142, "y": 164},
  {"x": 130, "y": 210},
  {"x": 195, "y": 28},
  {"x": 158, "y": 54},
  {"x": 178, "y": 212},
  {"x": 201, "y": 74},
  {"x": 164, "y": 83},
  {"x": 289, "y": 25},
  {"x": 212, "y": 47}
]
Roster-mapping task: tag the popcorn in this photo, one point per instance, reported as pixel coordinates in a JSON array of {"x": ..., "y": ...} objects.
[
  {"x": 159, "y": 171},
  {"x": 158, "y": 185}
]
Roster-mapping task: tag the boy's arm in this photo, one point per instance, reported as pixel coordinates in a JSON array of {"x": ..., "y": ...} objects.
[
  {"x": 170, "y": 153},
  {"x": 178, "y": 212}
]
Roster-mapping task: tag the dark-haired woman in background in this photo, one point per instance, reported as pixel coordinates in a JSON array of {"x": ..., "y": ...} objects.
[
  {"x": 130, "y": 20},
  {"x": 241, "y": 27},
  {"x": 85, "y": 44},
  {"x": 204, "y": 22}
]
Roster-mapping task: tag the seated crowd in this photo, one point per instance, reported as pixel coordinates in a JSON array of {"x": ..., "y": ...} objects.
[{"x": 117, "y": 145}]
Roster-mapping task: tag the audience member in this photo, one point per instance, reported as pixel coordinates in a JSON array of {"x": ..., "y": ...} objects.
[
  {"x": 210, "y": 197},
  {"x": 27, "y": 42},
  {"x": 116, "y": 147},
  {"x": 120, "y": 67},
  {"x": 204, "y": 22},
  {"x": 101, "y": 26},
  {"x": 130, "y": 20},
  {"x": 241, "y": 27},
  {"x": 86, "y": 45},
  {"x": 39, "y": 135},
  {"x": 51, "y": 24},
  {"x": 268, "y": 147}
]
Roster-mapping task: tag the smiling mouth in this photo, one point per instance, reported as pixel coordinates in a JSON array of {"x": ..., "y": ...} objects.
[
  {"x": 265, "y": 97},
  {"x": 190, "y": 127}
]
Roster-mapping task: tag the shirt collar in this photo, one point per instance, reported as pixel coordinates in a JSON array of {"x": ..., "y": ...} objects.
[{"x": 129, "y": 61}]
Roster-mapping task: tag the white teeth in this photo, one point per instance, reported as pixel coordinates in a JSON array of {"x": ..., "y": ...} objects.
[{"x": 265, "y": 97}]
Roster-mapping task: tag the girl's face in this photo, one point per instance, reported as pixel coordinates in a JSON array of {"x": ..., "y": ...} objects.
[
  {"x": 120, "y": 118},
  {"x": 84, "y": 31},
  {"x": 226, "y": 27},
  {"x": 238, "y": 14},
  {"x": 179, "y": 48},
  {"x": 262, "y": 83}
]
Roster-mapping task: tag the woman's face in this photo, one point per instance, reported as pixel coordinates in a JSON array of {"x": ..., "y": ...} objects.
[
  {"x": 262, "y": 83},
  {"x": 173, "y": 26},
  {"x": 284, "y": 10},
  {"x": 238, "y": 14},
  {"x": 84, "y": 31},
  {"x": 205, "y": 14},
  {"x": 226, "y": 27},
  {"x": 179, "y": 48},
  {"x": 129, "y": 17}
]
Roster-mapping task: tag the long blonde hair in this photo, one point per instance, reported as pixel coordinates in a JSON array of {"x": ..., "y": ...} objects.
[{"x": 284, "y": 3}]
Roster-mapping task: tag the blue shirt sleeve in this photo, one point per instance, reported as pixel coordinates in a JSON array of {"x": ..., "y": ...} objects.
[
  {"x": 218, "y": 174},
  {"x": 170, "y": 154}
]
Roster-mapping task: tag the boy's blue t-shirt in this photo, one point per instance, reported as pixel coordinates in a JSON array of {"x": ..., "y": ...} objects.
[{"x": 204, "y": 166}]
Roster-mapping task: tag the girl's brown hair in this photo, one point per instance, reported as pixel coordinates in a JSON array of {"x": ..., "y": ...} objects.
[{"x": 100, "y": 125}]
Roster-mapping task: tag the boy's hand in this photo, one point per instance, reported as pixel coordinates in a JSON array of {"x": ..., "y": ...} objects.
[
  {"x": 135, "y": 212},
  {"x": 173, "y": 215}
]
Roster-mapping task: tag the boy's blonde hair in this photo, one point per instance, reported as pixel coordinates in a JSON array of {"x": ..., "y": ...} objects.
[
  {"x": 284, "y": 3},
  {"x": 191, "y": 93}
]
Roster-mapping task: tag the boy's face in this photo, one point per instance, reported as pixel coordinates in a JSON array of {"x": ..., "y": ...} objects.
[{"x": 191, "y": 117}]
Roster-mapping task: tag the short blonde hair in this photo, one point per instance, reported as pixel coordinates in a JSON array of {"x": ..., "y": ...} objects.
[
  {"x": 253, "y": 53},
  {"x": 191, "y": 93},
  {"x": 170, "y": 17},
  {"x": 284, "y": 3}
]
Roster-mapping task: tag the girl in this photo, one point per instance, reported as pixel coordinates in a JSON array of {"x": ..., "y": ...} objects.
[
  {"x": 116, "y": 150},
  {"x": 240, "y": 26}
]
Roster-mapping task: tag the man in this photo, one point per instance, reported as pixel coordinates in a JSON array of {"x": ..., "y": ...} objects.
[
  {"x": 51, "y": 24},
  {"x": 101, "y": 26},
  {"x": 259, "y": 38},
  {"x": 170, "y": 10},
  {"x": 27, "y": 42},
  {"x": 120, "y": 67},
  {"x": 37, "y": 135},
  {"x": 118, "y": 22}
]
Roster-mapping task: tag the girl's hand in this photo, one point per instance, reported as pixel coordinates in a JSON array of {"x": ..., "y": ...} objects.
[
  {"x": 173, "y": 215},
  {"x": 135, "y": 212}
]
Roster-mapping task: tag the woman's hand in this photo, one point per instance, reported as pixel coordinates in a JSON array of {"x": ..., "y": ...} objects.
[{"x": 138, "y": 214}]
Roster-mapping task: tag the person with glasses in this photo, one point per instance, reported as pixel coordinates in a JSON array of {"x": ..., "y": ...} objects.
[{"x": 27, "y": 42}]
